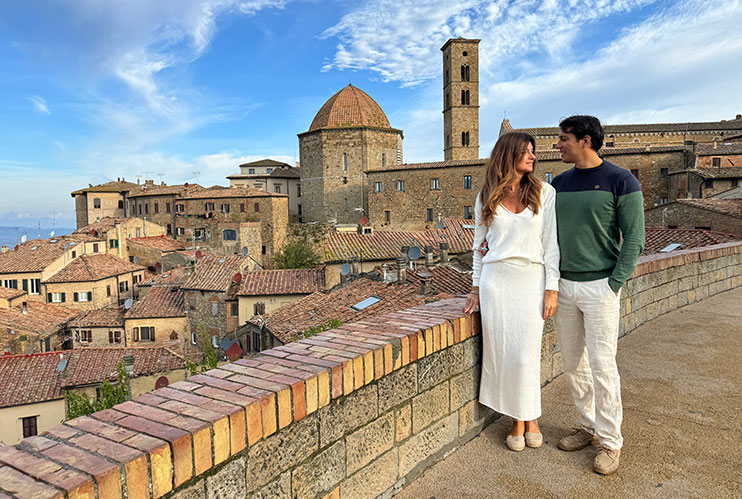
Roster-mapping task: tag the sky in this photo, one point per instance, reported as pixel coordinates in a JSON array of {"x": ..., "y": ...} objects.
[{"x": 185, "y": 91}]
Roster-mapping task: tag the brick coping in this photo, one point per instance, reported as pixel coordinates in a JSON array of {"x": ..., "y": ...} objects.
[{"x": 161, "y": 440}]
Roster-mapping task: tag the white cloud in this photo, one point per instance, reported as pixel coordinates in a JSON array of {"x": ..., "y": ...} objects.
[{"x": 39, "y": 104}]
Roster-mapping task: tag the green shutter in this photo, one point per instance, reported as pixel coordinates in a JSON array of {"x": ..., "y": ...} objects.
[
  {"x": 63, "y": 297},
  {"x": 136, "y": 334},
  {"x": 48, "y": 297},
  {"x": 15, "y": 283},
  {"x": 152, "y": 333},
  {"x": 25, "y": 285},
  {"x": 75, "y": 297},
  {"x": 90, "y": 296}
]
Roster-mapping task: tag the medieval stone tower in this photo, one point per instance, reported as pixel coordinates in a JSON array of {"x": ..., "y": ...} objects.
[
  {"x": 461, "y": 99},
  {"x": 349, "y": 135}
]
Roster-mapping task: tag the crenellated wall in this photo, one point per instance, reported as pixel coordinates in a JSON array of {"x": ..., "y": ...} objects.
[{"x": 353, "y": 412}]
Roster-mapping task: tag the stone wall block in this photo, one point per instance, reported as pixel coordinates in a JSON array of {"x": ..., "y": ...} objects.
[
  {"x": 425, "y": 444},
  {"x": 399, "y": 386},
  {"x": 473, "y": 415},
  {"x": 277, "y": 489},
  {"x": 369, "y": 442},
  {"x": 465, "y": 386},
  {"x": 347, "y": 413},
  {"x": 229, "y": 481},
  {"x": 194, "y": 491},
  {"x": 319, "y": 474},
  {"x": 403, "y": 422},
  {"x": 435, "y": 368},
  {"x": 430, "y": 406},
  {"x": 275, "y": 454},
  {"x": 373, "y": 480}
]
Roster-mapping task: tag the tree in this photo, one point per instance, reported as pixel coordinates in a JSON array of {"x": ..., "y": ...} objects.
[
  {"x": 296, "y": 254},
  {"x": 209, "y": 361},
  {"x": 79, "y": 404}
]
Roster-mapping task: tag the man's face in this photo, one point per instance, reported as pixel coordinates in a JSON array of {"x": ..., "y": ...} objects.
[{"x": 569, "y": 146}]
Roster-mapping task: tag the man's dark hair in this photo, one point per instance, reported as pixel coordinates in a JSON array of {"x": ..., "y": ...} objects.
[{"x": 584, "y": 125}]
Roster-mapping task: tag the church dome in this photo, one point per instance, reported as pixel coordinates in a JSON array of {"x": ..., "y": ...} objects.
[{"x": 350, "y": 107}]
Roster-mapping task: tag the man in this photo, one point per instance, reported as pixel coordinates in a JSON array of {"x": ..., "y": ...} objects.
[{"x": 598, "y": 204}]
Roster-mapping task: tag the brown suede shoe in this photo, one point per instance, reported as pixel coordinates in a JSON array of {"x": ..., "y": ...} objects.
[
  {"x": 606, "y": 462},
  {"x": 578, "y": 439}
]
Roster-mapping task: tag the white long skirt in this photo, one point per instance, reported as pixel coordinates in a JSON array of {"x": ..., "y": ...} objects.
[{"x": 511, "y": 298}]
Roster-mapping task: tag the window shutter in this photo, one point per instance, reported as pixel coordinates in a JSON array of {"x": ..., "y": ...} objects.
[
  {"x": 63, "y": 297},
  {"x": 15, "y": 283},
  {"x": 25, "y": 284},
  {"x": 152, "y": 333},
  {"x": 136, "y": 334},
  {"x": 48, "y": 297},
  {"x": 110, "y": 336},
  {"x": 90, "y": 296},
  {"x": 75, "y": 297}
]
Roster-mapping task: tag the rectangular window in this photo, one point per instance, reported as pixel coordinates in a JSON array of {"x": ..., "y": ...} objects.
[
  {"x": 181, "y": 231},
  {"x": 157, "y": 208},
  {"x": 467, "y": 212},
  {"x": 108, "y": 290},
  {"x": 635, "y": 172},
  {"x": 121, "y": 204},
  {"x": 179, "y": 208},
  {"x": 96, "y": 203},
  {"x": 467, "y": 181},
  {"x": 242, "y": 207},
  {"x": 198, "y": 234},
  {"x": 169, "y": 229},
  {"x": 234, "y": 309},
  {"x": 609, "y": 143},
  {"x": 114, "y": 336},
  {"x": 226, "y": 208},
  {"x": 139, "y": 232},
  {"x": 146, "y": 208},
  {"x": 140, "y": 209},
  {"x": 263, "y": 251},
  {"x": 57, "y": 297},
  {"x": 192, "y": 304},
  {"x": 664, "y": 173},
  {"x": 377, "y": 187},
  {"x": 663, "y": 201},
  {"x": 387, "y": 216},
  {"x": 95, "y": 247},
  {"x": 209, "y": 206},
  {"x": 435, "y": 184},
  {"x": 277, "y": 188},
  {"x": 383, "y": 159},
  {"x": 74, "y": 254},
  {"x": 256, "y": 342},
  {"x": 400, "y": 185},
  {"x": 214, "y": 309},
  {"x": 716, "y": 162},
  {"x": 35, "y": 286},
  {"x": 146, "y": 333},
  {"x": 298, "y": 190},
  {"x": 83, "y": 297},
  {"x": 299, "y": 207},
  {"x": 345, "y": 161},
  {"x": 229, "y": 235},
  {"x": 29, "y": 426},
  {"x": 259, "y": 308},
  {"x": 86, "y": 336},
  {"x": 251, "y": 171},
  {"x": 709, "y": 184},
  {"x": 549, "y": 176},
  {"x": 167, "y": 207},
  {"x": 257, "y": 207},
  {"x": 269, "y": 170},
  {"x": 429, "y": 215}
]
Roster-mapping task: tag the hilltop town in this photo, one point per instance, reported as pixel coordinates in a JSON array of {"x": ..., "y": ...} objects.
[{"x": 171, "y": 273}]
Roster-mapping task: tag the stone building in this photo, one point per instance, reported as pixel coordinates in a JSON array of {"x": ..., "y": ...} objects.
[
  {"x": 157, "y": 203},
  {"x": 349, "y": 135},
  {"x": 719, "y": 154},
  {"x": 225, "y": 220},
  {"x": 642, "y": 135},
  {"x": 116, "y": 231},
  {"x": 719, "y": 215},
  {"x": 158, "y": 318},
  {"x": 32, "y": 326},
  {"x": 105, "y": 200},
  {"x": 460, "y": 99},
  {"x": 149, "y": 251},
  {"x": 272, "y": 176},
  {"x": 93, "y": 281},
  {"x": 97, "y": 329},
  {"x": 702, "y": 183}
]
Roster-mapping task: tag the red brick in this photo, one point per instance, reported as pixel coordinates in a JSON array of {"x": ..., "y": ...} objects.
[
  {"x": 110, "y": 432},
  {"x": 106, "y": 474},
  {"x": 108, "y": 415},
  {"x": 225, "y": 396},
  {"x": 24, "y": 487},
  {"x": 160, "y": 459},
  {"x": 337, "y": 381},
  {"x": 62, "y": 431},
  {"x": 299, "y": 400},
  {"x": 254, "y": 414},
  {"x": 149, "y": 398},
  {"x": 215, "y": 382},
  {"x": 185, "y": 385},
  {"x": 314, "y": 361},
  {"x": 48, "y": 471}
]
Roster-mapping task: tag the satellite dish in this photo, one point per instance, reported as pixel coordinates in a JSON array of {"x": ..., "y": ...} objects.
[
  {"x": 345, "y": 269},
  {"x": 226, "y": 343},
  {"x": 51, "y": 234},
  {"x": 364, "y": 220},
  {"x": 24, "y": 238},
  {"x": 199, "y": 254},
  {"x": 161, "y": 382},
  {"x": 237, "y": 277},
  {"x": 136, "y": 259},
  {"x": 62, "y": 364},
  {"x": 414, "y": 253},
  {"x": 128, "y": 303},
  {"x": 244, "y": 251},
  {"x": 440, "y": 225}
]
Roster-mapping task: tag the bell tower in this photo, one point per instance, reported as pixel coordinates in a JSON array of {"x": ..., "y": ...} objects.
[{"x": 461, "y": 99}]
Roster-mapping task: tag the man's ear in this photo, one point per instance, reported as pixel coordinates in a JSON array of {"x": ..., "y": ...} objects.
[{"x": 587, "y": 142}]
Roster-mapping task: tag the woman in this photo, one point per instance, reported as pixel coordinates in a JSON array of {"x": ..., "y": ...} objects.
[{"x": 515, "y": 283}]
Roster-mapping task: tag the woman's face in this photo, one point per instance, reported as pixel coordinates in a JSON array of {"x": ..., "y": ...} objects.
[{"x": 527, "y": 160}]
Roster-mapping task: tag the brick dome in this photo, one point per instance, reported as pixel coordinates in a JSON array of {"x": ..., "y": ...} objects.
[{"x": 350, "y": 107}]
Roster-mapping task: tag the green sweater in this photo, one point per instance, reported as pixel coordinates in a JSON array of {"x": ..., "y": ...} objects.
[{"x": 596, "y": 207}]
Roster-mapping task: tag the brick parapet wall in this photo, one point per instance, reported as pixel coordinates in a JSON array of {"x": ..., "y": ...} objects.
[{"x": 357, "y": 411}]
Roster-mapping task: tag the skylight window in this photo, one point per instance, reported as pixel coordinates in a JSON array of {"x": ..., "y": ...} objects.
[
  {"x": 366, "y": 303},
  {"x": 670, "y": 247}
]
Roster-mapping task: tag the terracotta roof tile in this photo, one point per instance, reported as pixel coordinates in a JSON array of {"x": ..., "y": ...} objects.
[
  {"x": 649, "y": 127},
  {"x": 93, "y": 268},
  {"x": 163, "y": 190},
  {"x": 214, "y": 273},
  {"x": 266, "y": 162},
  {"x": 35, "y": 255},
  {"x": 114, "y": 186},
  {"x": 282, "y": 282},
  {"x": 723, "y": 172},
  {"x": 103, "y": 225},
  {"x": 447, "y": 278},
  {"x": 107, "y": 317},
  {"x": 386, "y": 245},
  {"x": 160, "y": 301},
  {"x": 25, "y": 379},
  {"x": 174, "y": 277},
  {"x": 730, "y": 207},
  {"x": 161, "y": 243},
  {"x": 350, "y": 107},
  {"x": 721, "y": 149},
  {"x": 40, "y": 317},
  {"x": 10, "y": 293},
  {"x": 218, "y": 192}
]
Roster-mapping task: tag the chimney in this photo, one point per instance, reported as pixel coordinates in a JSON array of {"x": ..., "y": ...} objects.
[
  {"x": 715, "y": 144},
  {"x": 25, "y": 307},
  {"x": 4, "y": 249},
  {"x": 187, "y": 271},
  {"x": 444, "y": 252},
  {"x": 426, "y": 283},
  {"x": 355, "y": 264},
  {"x": 401, "y": 270},
  {"x": 405, "y": 253},
  {"x": 428, "y": 256}
]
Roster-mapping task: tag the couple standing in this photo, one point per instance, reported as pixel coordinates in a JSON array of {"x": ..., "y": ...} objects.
[{"x": 523, "y": 226}]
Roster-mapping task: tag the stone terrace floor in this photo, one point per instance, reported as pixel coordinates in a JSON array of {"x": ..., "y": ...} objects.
[{"x": 682, "y": 395}]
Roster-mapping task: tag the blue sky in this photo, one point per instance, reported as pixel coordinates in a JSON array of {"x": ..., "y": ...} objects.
[{"x": 93, "y": 90}]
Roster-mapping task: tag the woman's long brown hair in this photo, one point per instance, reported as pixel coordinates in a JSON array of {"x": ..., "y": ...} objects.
[{"x": 500, "y": 174}]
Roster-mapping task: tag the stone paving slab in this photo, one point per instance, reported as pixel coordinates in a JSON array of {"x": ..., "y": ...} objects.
[{"x": 682, "y": 378}]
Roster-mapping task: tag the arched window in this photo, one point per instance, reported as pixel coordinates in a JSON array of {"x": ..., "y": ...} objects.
[
  {"x": 383, "y": 159},
  {"x": 464, "y": 138},
  {"x": 229, "y": 235},
  {"x": 464, "y": 97},
  {"x": 345, "y": 161},
  {"x": 464, "y": 72}
]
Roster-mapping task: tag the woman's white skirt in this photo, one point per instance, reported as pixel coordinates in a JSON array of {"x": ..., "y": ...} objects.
[{"x": 511, "y": 300}]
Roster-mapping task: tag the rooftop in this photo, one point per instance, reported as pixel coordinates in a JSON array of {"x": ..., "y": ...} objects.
[
  {"x": 713, "y": 172},
  {"x": 163, "y": 190},
  {"x": 174, "y": 277},
  {"x": 161, "y": 243},
  {"x": 735, "y": 124},
  {"x": 93, "y": 268},
  {"x": 215, "y": 273},
  {"x": 106, "y": 317},
  {"x": 658, "y": 238},
  {"x": 350, "y": 107},
  {"x": 219, "y": 192},
  {"x": 721, "y": 149},
  {"x": 270, "y": 163},
  {"x": 730, "y": 207},
  {"x": 40, "y": 318},
  {"x": 103, "y": 225},
  {"x": 282, "y": 282},
  {"x": 26, "y": 379},
  {"x": 36, "y": 254},
  {"x": 10, "y": 293},
  {"x": 160, "y": 301},
  {"x": 113, "y": 186}
]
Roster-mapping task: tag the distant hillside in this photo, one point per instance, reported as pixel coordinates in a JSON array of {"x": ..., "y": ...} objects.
[{"x": 9, "y": 236}]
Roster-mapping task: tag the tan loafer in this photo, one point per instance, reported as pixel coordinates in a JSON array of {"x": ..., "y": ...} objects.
[
  {"x": 578, "y": 439},
  {"x": 515, "y": 442},
  {"x": 534, "y": 440},
  {"x": 606, "y": 462}
]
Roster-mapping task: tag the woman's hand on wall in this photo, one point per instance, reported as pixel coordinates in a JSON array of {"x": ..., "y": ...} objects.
[
  {"x": 472, "y": 303},
  {"x": 550, "y": 303}
]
